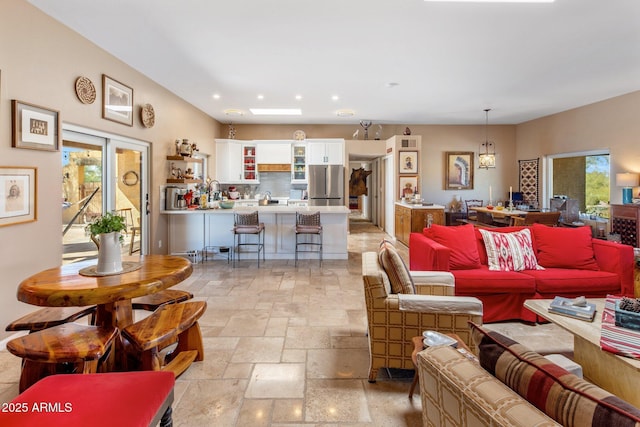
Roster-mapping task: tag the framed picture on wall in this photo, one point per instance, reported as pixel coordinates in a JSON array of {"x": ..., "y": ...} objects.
[
  {"x": 408, "y": 185},
  {"x": 17, "y": 195},
  {"x": 117, "y": 101},
  {"x": 458, "y": 170},
  {"x": 408, "y": 162},
  {"x": 34, "y": 127}
]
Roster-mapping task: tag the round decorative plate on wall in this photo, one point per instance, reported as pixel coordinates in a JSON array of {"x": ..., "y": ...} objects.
[
  {"x": 85, "y": 90},
  {"x": 147, "y": 115},
  {"x": 299, "y": 135}
]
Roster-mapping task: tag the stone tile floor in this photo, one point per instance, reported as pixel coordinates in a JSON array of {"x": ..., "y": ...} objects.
[{"x": 287, "y": 346}]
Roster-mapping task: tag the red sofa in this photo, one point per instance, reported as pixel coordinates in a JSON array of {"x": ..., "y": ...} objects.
[{"x": 556, "y": 261}]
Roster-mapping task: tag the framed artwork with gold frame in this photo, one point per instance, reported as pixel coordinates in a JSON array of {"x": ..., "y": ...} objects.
[
  {"x": 18, "y": 187},
  {"x": 458, "y": 170}
]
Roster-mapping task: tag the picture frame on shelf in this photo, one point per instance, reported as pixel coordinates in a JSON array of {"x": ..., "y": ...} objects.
[
  {"x": 34, "y": 127},
  {"x": 117, "y": 101},
  {"x": 408, "y": 185},
  {"x": 408, "y": 162},
  {"x": 458, "y": 170},
  {"x": 18, "y": 187}
]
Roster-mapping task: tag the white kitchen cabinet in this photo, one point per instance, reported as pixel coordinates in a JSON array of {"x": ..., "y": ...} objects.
[
  {"x": 273, "y": 152},
  {"x": 235, "y": 162},
  {"x": 299, "y": 164},
  {"x": 326, "y": 152},
  {"x": 228, "y": 161}
]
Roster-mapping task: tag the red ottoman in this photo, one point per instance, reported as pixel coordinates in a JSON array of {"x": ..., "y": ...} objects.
[{"x": 129, "y": 399}]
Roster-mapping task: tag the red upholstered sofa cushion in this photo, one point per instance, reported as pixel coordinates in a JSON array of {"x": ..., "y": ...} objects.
[
  {"x": 571, "y": 282},
  {"x": 97, "y": 400},
  {"x": 461, "y": 241},
  {"x": 559, "y": 247}
]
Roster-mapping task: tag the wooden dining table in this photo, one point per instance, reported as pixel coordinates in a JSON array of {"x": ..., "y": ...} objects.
[
  {"x": 65, "y": 286},
  {"x": 499, "y": 213}
]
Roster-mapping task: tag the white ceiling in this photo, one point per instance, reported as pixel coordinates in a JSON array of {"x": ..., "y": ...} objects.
[{"x": 450, "y": 60}]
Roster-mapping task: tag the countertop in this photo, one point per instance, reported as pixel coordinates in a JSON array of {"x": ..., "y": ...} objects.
[
  {"x": 276, "y": 208},
  {"x": 416, "y": 206}
]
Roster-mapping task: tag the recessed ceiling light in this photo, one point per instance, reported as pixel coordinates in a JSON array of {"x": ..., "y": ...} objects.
[
  {"x": 345, "y": 113},
  {"x": 335, "y": 97},
  {"x": 260, "y": 97},
  {"x": 275, "y": 111},
  {"x": 298, "y": 97},
  {"x": 233, "y": 112},
  {"x": 216, "y": 96}
]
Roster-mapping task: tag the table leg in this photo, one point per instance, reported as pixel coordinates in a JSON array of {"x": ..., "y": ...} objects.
[{"x": 120, "y": 315}]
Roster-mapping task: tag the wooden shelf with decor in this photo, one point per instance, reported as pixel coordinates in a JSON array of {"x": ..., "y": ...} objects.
[
  {"x": 414, "y": 219},
  {"x": 184, "y": 159}
]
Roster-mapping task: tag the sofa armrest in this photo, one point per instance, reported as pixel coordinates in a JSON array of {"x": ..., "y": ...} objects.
[
  {"x": 440, "y": 304},
  {"x": 616, "y": 258},
  {"x": 427, "y": 254},
  {"x": 457, "y": 391}
]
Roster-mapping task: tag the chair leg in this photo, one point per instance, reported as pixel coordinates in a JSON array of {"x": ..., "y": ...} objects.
[{"x": 413, "y": 384}]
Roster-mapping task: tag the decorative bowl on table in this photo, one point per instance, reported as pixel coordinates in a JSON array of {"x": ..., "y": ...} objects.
[
  {"x": 226, "y": 204},
  {"x": 433, "y": 338}
]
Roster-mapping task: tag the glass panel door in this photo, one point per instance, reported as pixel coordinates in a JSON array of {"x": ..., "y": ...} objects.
[
  {"x": 128, "y": 193},
  {"x": 82, "y": 201},
  {"x": 99, "y": 175}
]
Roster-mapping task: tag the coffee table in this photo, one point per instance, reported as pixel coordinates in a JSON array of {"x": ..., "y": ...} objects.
[{"x": 616, "y": 374}]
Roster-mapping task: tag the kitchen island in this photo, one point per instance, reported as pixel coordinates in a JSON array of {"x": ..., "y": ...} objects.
[{"x": 192, "y": 230}]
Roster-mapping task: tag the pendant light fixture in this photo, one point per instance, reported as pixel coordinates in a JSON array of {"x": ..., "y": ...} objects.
[{"x": 487, "y": 153}]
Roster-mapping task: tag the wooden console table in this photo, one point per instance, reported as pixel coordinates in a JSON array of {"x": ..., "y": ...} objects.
[{"x": 619, "y": 375}]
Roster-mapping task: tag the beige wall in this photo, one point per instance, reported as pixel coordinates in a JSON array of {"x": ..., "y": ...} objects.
[{"x": 39, "y": 62}]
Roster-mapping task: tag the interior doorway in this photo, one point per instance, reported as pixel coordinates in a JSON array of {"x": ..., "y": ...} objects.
[{"x": 102, "y": 173}]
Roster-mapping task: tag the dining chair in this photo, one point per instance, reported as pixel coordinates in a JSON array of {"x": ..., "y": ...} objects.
[
  {"x": 248, "y": 225},
  {"x": 308, "y": 225}
]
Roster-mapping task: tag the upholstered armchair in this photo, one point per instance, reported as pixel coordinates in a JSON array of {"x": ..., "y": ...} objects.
[{"x": 394, "y": 318}]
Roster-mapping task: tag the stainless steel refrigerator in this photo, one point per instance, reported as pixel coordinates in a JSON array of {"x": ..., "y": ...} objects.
[{"x": 326, "y": 185}]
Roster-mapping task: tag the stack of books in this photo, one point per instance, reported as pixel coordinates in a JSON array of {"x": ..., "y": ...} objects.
[{"x": 577, "y": 308}]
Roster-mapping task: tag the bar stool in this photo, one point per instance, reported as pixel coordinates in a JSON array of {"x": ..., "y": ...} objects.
[
  {"x": 248, "y": 224},
  {"x": 309, "y": 224}
]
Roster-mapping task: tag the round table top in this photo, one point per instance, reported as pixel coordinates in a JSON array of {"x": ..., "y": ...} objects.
[{"x": 64, "y": 286}]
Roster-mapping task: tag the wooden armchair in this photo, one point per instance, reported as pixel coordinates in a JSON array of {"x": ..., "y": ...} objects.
[{"x": 394, "y": 319}]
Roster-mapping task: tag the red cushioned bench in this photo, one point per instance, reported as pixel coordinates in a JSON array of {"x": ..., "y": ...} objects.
[{"x": 129, "y": 399}]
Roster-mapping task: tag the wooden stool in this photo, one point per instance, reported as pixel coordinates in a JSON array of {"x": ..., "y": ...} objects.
[
  {"x": 98, "y": 400},
  {"x": 51, "y": 316},
  {"x": 168, "y": 324},
  {"x": 154, "y": 301},
  {"x": 47, "y": 351}
]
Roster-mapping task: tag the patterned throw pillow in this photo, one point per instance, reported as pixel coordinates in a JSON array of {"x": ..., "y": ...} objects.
[
  {"x": 571, "y": 401},
  {"x": 510, "y": 251},
  {"x": 394, "y": 266}
]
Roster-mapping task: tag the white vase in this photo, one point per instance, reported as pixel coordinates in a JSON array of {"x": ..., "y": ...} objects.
[{"x": 109, "y": 254}]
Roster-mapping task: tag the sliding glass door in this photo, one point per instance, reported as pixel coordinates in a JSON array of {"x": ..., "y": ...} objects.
[{"x": 101, "y": 173}]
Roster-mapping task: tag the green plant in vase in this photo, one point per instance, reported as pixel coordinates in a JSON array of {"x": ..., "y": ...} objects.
[
  {"x": 107, "y": 223},
  {"x": 108, "y": 228}
]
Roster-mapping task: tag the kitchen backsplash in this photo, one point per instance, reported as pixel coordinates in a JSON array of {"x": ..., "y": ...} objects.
[{"x": 278, "y": 183}]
